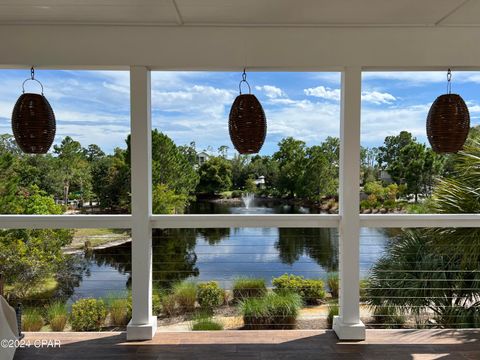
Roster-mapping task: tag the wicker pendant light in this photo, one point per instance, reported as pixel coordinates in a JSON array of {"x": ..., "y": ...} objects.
[
  {"x": 448, "y": 121},
  {"x": 247, "y": 122},
  {"x": 33, "y": 121}
]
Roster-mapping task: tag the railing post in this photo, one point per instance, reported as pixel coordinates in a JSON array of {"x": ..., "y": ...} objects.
[
  {"x": 143, "y": 325},
  {"x": 348, "y": 325}
]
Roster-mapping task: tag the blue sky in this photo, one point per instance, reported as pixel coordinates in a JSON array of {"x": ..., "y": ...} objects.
[{"x": 93, "y": 106}]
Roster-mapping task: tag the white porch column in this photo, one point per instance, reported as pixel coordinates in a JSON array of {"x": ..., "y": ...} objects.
[
  {"x": 143, "y": 325},
  {"x": 348, "y": 325}
]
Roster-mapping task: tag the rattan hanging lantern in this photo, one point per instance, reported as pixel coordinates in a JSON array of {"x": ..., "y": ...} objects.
[
  {"x": 448, "y": 121},
  {"x": 33, "y": 121},
  {"x": 247, "y": 123}
]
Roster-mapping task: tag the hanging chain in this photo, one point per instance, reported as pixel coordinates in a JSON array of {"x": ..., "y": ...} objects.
[
  {"x": 244, "y": 80},
  {"x": 449, "y": 81},
  {"x": 32, "y": 77}
]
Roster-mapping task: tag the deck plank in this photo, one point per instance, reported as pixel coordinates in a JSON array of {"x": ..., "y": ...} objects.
[{"x": 261, "y": 345}]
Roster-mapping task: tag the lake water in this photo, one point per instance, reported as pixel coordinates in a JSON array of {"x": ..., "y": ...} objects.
[{"x": 226, "y": 253}]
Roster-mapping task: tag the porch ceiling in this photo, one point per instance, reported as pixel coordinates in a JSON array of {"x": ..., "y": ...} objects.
[{"x": 342, "y": 13}]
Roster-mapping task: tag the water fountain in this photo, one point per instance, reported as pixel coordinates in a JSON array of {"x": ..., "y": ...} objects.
[{"x": 247, "y": 199}]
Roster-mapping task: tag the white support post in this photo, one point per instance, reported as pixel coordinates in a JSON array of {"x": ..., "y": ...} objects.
[
  {"x": 348, "y": 325},
  {"x": 143, "y": 325}
]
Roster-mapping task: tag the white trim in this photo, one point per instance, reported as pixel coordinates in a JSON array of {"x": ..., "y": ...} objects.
[
  {"x": 232, "y": 48},
  {"x": 232, "y": 220},
  {"x": 347, "y": 325},
  {"x": 420, "y": 220},
  {"x": 143, "y": 325},
  {"x": 245, "y": 220}
]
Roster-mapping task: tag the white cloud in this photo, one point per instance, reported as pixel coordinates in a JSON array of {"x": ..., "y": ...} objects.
[
  {"x": 323, "y": 92},
  {"x": 272, "y": 92},
  {"x": 380, "y": 123},
  {"x": 377, "y": 97}
]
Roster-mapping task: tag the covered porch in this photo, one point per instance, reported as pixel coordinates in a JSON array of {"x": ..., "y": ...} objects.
[{"x": 348, "y": 37}]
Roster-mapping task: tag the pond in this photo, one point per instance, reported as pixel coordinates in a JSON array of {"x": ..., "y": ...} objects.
[{"x": 224, "y": 254}]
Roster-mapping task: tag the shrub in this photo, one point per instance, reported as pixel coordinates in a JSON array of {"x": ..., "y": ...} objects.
[
  {"x": 244, "y": 288},
  {"x": 236, "y": 193},
  {"x": 156, "y": 302},
  {"x": 120, "y": 311},
  {"x": 57, "y": 316},
  {"x": 88, "y": 315},
  {"x": 273, "y": 311},
  {"x": 185, "y": 294},
  {"x": 364, "y": 284},
  {"x": 333, "y": 310},
  {"x": 32, "y": 320},
  {"x": 168, "y": 303},
  {"x": 311, "y": 290},
  {"x": 389, "y": 317},
  {"x": 206, "y": 323},
  {"x": 332, "y": 282},
  {"x": 210, "y": 295}
]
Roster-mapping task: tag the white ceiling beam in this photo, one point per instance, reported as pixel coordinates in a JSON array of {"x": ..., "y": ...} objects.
[{"x": 229, "y": 48}]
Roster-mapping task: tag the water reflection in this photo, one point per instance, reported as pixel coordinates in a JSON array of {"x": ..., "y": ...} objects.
[{"x": 224, "y": 254}]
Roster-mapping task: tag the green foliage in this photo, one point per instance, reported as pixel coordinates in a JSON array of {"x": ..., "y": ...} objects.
[
  {"x": 31, "y": 320},
  {"x": 166, "y": 201},
  {"x": 333, "y": 284},
  {"x": 171, "y": 167},
  {"x": 168, "y": 303},
  {"x": 185, "y": 294},
  {"x": 120, "y": 310},
  {"x": 88, "y": 315},
  {"x": 333, "y": 310},
  {"x": 250, "y": 186},
  {"x": 215, "y": 176},
  {"x": 244, "y": 288},
  {"x": 206, "y": 323},
  {"x": 389, "y": 316},
  {"x": 291, "y": 163},
  {"x": 72, "y": 167},
  {"x": 311, "y": 290},
  {"x": 209, "y": 295},
  {"x": 273, "y": 311},
  {"x": 157, "y": 302},
  {"x": 111, "y": 181},
  {"x": 408, "y": 278},
  {"x": 410, "y": 162},
  {"x": 57, "y": 316}
]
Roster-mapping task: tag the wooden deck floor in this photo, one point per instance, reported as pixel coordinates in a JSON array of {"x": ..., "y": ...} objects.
[{"x": 277, "y": 345}]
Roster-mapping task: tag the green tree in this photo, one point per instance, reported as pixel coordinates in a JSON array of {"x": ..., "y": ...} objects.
[
  {"x": 215, "y": 176},
  {"x": 165, "y": 201},
  {"x": 73, "y": 168},
  {"x": 170, "y": 166},
  {"x": 320, "y": 178},
  {"x": 111, "y": 181},
  {"x": 291, "y": 162}
]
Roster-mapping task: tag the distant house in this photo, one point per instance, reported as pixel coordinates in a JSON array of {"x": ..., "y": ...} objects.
[
  {"x": 260, "y": 182},
  {"x": 202, "y": 157}
]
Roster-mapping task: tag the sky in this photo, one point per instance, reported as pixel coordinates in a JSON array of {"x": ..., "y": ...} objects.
[{"x": 93, "y": 106}]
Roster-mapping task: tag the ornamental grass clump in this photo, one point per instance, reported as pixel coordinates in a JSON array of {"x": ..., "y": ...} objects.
[
  {"x": 210, "y": 295},
  {"x": 88, "y": 315},
  {"x": 120, "y": 311},
  {"x": 206, "y": 323},
  {"x": 311, "y": 290},
  {"x": 32, "y": 320},
  {"x": 185, "y": 294},
  {"x": 273, "y": 311},
  {"x": 333, "y": 310},
  {"x": 244, "y": 288},
  {"x": 333, "y": 284},
  {"x": 57, "y": 316}
]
